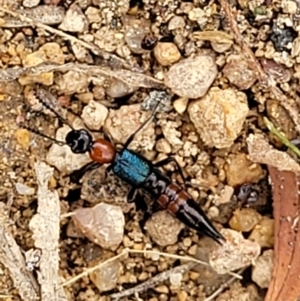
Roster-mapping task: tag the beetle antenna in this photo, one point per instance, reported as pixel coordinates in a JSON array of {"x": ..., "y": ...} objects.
[
  {"x": 37, "y": 132},
  {"x": 42, "y": 95},
  {"x": 49, "y": 107}
]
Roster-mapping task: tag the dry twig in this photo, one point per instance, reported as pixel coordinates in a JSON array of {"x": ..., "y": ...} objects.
[
  {"x": 12, "y": 258},
  {"x": 45, "y": 226},
  {"x": 130, "y": 78},
  {"x": 263, "y": 78},
  {"x": 149, "y": 252},
  {"x": 111, "y": 58}
]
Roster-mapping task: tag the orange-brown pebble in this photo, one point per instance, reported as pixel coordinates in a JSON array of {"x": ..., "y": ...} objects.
[
  {"x": 166, "y": 53},
  {"x": 263, "y": 233},
  {"x": 244, "y": 220},
  {"x": 23, "y": 138},
  {"x": 239, "y": 170},
  {"x": 182, "y": 296}
]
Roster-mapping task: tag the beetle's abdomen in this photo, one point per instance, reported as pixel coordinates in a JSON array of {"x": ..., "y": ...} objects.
[
  {"x": 179, "y": 203},
  {"x": 131, "y": 167}
]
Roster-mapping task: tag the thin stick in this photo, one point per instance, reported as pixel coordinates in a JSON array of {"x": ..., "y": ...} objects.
[
  {"x": 68, "y": 37},
  {"x": 126, "y": 251},
  {"x": 66, "y": 215},
  {"x": 188, "y": 258},
  {"x": 281, "y": 136},
  {"x": 263, "y": 78},
  {"x": 90, "y": 270}
]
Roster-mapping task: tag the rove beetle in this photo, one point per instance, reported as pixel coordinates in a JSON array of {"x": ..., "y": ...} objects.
[{"x": 140, "y": 173}]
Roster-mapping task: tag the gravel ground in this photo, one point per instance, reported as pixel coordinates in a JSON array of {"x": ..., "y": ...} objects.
[{"x": 226, "y": 76}]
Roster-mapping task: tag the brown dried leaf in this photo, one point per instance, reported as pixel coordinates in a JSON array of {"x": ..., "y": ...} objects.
[{"x": 285, "y": 283}]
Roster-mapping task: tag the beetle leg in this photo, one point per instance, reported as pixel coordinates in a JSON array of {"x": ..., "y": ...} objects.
[
  {"x": 131, "y": 195},
  {"x": 131, "y": 137},
  {"x": 76, "y": 175},
  {"x": 108, "y": 138},
  {"x": 169, "y": 160}
]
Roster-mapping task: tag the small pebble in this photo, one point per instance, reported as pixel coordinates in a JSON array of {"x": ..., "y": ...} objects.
[
  {"x": 235, "y": 253},
  {"x": 175, "y": 279},
  {"x": 30, "y": 3},
  {"x": 118, "y": 88},
  {"x": 45, "y": 79},
  {"x": 143, "y": 276},
  {"x": 187, "y": 242},
  {"x": 163, "y": 228},
  {"x": 73, "y": 82},
  {"x": 194, "y": 275},
  {"x": 162, "y": 289},
  {"x": 134, "y": 38},
  {"x": 23, "y": 189},
  {"x": 244, "y": 219},
  {"x": 193, "y": 250},
  {"x": 263, "y": 232},
  {"x": 94, "y": 115},
  {"x": 289, "y": 7},
  {"x": 239, "y": 170},
  {"x": 180, "y": 104},
  {"x": 219, "y": 116},
  {"x": 74, "y": 20},
  {"x": 163, "y": 146},
  {"x": 106, "y": 277},
  {"x": 176, "y": 22},
  {"x": 213, "y": 212},
  {"x": 102, "y": 224},
  {"x": 239, "y": 73},
  {"x": 226, "y": 194},
  {"x": 139, "y": 247},
  {"x": 93, "y": 14},
  {"x": 49, "y": 52},
  {"x": 192, "y": 77},
  {"x": 85, "y": 97},
  {"x": 121, "y": 123},
  {"x": 263, "y": 268},
  {"x": 23, "y": 138},
  {"x": 166, "y": 53},
  {"x": 182, "y": 296}
]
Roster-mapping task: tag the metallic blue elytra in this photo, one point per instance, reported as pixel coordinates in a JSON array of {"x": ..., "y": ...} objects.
[{"x": 131, "y": 167}]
